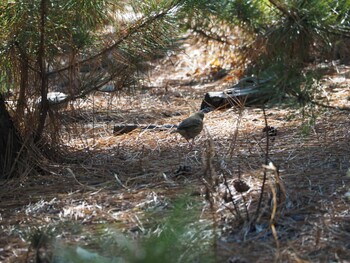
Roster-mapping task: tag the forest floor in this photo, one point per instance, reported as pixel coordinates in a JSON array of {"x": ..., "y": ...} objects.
[{"x": 111, "y": 185}]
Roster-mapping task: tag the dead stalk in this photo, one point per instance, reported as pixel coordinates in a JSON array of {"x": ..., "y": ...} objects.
[
  {"x": 235, "y": 133},
  {"x": 210, "y": 173},
  {"x": 266, "y": 162},
  {"x": 237, "y": 212}
]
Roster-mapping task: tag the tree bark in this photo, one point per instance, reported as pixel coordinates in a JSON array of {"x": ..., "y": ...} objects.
[
  {"x": 10, "y": 143},
  {"x": 21, "y": 102},
  {"x": 246, "y": 92},
  {"x": 44, "y": 105}
]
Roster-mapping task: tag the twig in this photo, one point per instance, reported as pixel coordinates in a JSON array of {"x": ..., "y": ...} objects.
[
  {"x": 83, "y": 185},
  {"x": 210, "y": 36},
  {"x": 120, "y": 182},
  {"x": 266, "y": 161},
  {"x": 273, "y": 214},
  {"x": 238, "y": 214},
  {"x": 330, "y": 107}
]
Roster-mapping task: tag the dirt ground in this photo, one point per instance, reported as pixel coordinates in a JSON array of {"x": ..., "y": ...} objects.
[{"x": 110, "y": 180}]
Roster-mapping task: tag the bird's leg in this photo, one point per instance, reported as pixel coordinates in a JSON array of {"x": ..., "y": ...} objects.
[{"x": 190, "y": 145}]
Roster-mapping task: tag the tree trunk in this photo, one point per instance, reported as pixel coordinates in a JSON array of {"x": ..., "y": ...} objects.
[
  {"x": 44, "y": 105},
  {"x": 21, "y": 102},
  {"x": 10, "y": 143}
]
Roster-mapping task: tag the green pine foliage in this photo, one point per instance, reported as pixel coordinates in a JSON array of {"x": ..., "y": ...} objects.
[
  {"x": 283, "y": 38},
  {"x": 46, "y": 45},
  {"x": 179, "y": 236}
]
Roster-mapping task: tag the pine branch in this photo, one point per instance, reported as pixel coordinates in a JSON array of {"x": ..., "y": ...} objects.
[
  {"x": 128, "y": 33},
  {"x": 329, "y": 106},
  {"x": 284, "y": 10},
  {"x": 210, "y": 36}
]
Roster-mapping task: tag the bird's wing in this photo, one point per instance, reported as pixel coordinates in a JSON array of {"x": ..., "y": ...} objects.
[{"x": 190, "y": 122}]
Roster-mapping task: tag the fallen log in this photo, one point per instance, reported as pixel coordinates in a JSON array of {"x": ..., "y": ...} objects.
[
  {"x": 57, "y": 100},
  {"x": 126, "y": 128},
  {"x": 247, "y": 91}
]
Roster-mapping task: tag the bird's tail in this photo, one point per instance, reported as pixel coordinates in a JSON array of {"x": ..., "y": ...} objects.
[{"x": 174, "y": 131}]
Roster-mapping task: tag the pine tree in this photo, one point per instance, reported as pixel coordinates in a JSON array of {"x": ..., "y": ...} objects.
[{"x": 84, "y": 43}]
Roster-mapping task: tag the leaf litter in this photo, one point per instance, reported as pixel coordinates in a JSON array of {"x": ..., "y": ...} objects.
[{"x": 107, "y": 181}]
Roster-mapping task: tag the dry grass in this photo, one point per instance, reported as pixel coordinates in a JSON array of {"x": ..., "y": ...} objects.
[{"x": 112, "y": 180}]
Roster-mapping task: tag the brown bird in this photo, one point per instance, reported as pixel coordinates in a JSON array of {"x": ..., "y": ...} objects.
[{"x": 192, "y": 126}]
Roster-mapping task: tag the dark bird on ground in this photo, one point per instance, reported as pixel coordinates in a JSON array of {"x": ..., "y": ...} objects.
[
  {"x": 192, "y": 126},
  {"x": 271, "y": 131}
]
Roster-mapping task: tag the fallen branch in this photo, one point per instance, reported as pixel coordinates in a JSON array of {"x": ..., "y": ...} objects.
[{"x": 126, "y": 128}]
